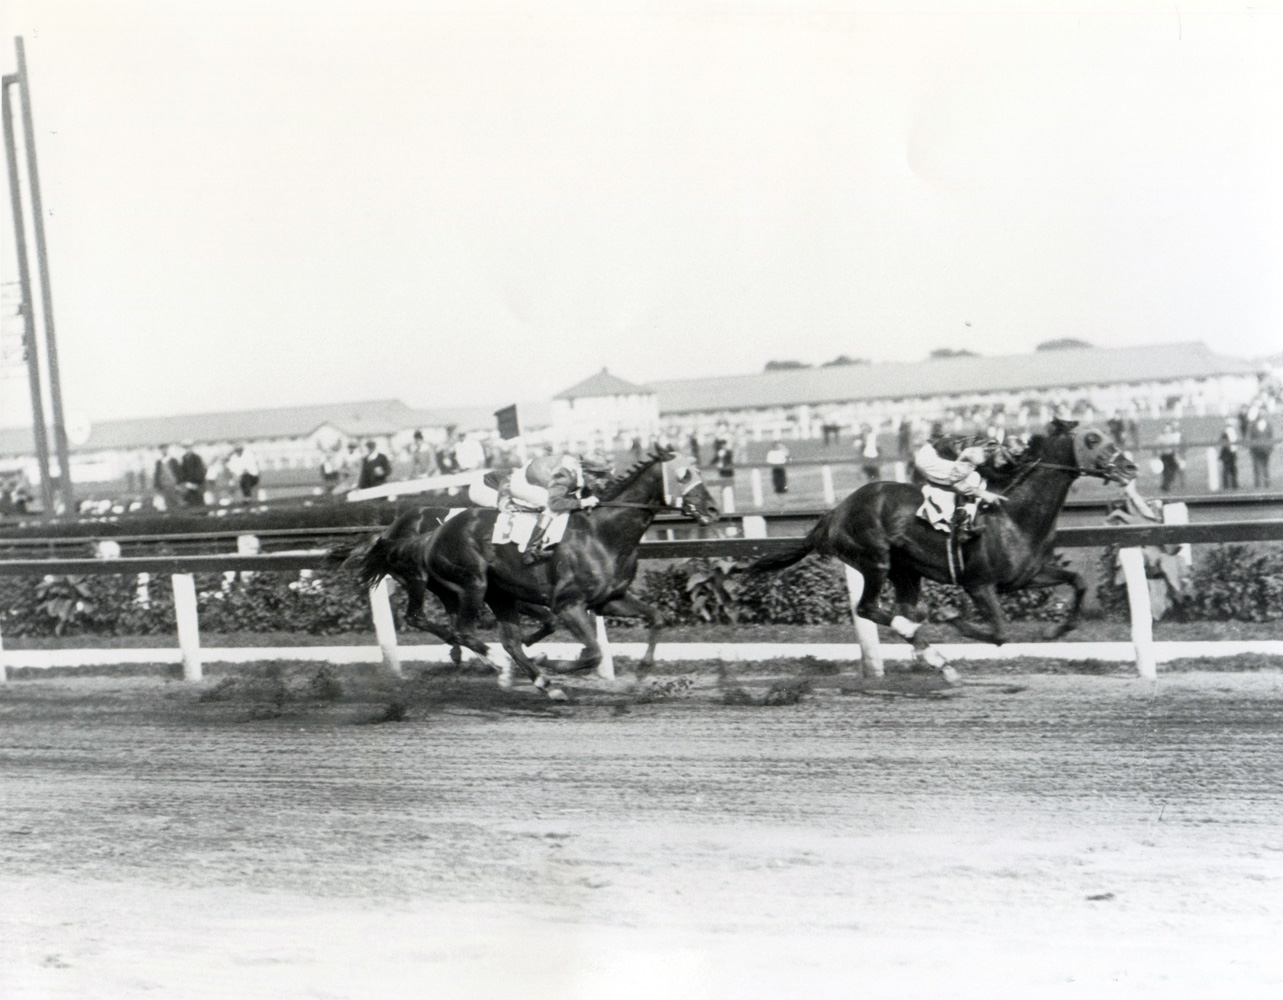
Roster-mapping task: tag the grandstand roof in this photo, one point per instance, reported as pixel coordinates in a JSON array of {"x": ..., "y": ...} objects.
[
  {"x": 603, "y": 384},
  {"x": 1039, "y": 371},
  {"x": 371, "y": 418}
]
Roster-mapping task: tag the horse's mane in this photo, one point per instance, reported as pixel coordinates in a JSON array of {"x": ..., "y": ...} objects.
[{"x": 630, "y": 475}]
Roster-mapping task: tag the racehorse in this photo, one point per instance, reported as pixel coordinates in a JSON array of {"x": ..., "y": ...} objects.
[
  {"x": 588, "y": 573},
  {"x": 877, "y": 532}
]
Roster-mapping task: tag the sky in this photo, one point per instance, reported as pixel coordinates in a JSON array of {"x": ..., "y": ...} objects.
[{"x": 279, "y": 203}]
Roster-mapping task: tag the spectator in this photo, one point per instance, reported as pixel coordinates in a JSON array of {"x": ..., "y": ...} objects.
[
  {"x": 777, "y": 458},
  {"x": 692, "y": 443},
  {"x": 423, "y": 460},
  {"x": 469, "y": 454},
  {"x": 867, "y": 443},
  {"x": 1260, "y": 442},
  {"x": 331, "y": 469},
  {"x": 1117, "y": 428},
  {"x": 1170, "y": 454},
  {"x": 376, "y": 467},
  {"x": 165, "y": 479},
  {"x": 242, "y": 466},
  {"x": 1228, "y": 455},
  {"x": 191, "y": 476},
  {"x": 724, "y": 458}
]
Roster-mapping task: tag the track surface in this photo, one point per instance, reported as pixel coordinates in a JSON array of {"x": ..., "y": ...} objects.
[{"x": 1035, "y": 836}]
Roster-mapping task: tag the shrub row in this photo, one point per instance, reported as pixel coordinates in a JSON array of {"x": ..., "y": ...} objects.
[{"x": 1231, "y": 582}]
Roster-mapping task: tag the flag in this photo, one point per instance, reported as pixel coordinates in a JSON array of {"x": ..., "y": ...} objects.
[{"x": 509, "y": 427}]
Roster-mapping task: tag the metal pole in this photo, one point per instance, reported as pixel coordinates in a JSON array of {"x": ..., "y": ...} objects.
[
  {"x": 46, "y": 293},
  {"x": 30, "y": 346}
]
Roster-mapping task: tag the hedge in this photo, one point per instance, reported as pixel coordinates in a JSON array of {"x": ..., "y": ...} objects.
[{"x": 1230, "y": 582}]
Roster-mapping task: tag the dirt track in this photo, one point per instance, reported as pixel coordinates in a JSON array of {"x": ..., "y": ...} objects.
[{"x": 1086, "y": 836}]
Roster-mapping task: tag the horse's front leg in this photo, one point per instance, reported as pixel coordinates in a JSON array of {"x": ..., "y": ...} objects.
[
  {"x": 1053, "y": 574},
  {"x": 510, "y": 637},
  {"x": 630, "y": 607},
  {"x": 579, "y": 621},
  {"x": 985, "y": 596}
]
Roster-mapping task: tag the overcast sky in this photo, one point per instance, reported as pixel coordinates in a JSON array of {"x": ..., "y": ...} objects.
[{"x": 274, "y": 203}]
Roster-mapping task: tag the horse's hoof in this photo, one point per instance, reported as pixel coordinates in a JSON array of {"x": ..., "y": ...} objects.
[
  {"x": 932, "y": 657},
  {"x": 556, "y": 694},
  {"x": 949, "y": 674}
]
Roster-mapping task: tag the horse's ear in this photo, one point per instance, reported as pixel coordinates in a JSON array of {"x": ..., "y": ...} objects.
[{"x": 1059, "y": 426}]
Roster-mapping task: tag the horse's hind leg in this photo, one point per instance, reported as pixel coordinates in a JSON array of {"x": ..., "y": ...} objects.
[
  {"x": 630, "y": 607},
  {"x": 547, "y": 623},
  {"x": 510, "y": 636},
  {"x": 416, "y": 592},
  {"x": 1053, "y": 574}
]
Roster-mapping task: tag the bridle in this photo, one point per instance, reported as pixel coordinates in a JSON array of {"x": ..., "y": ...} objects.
[
  {"x": 672, "y": 499},
  {"x": 1078, "y": 470}
]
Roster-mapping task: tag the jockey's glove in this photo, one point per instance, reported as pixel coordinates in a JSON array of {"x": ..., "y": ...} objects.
[
  {"x": 993, "y": 498},
  {"x": 587, "y": 503}
]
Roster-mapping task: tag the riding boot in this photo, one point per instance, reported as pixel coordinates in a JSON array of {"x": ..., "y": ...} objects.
[{"x": 534, "y": 548}]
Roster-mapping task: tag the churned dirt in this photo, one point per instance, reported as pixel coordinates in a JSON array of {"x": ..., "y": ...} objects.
[{"x": 305, "y": 833}]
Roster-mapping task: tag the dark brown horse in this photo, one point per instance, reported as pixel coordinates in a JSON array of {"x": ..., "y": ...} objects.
[
  {"x": 589, "y": 571},
  {"x": 877, "y": 532}
]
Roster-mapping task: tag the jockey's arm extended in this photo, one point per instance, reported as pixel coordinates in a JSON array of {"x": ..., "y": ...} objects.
[{"x": 564, "y": 493}]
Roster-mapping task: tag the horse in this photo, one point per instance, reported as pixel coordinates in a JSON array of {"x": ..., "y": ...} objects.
[
  {"x": 876, "y": 531},
  {"x": 588, "y": 573}
]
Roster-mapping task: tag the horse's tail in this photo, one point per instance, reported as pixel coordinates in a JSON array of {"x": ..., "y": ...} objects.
[
  {"x": 387, "y": 554},
  {"x": 794, "y": 553}
]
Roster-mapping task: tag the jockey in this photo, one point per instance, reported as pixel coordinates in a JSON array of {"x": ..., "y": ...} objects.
[
  {"x": 954, "y": 462},
  {"x": 557, "y": 486}
]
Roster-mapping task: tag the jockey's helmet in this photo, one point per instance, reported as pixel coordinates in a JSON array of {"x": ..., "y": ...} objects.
[{"x": 596, "y": 462}]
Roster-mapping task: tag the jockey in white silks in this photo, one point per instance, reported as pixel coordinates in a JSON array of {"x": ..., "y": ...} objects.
[
  {"x": 553, "y": 485},
  {"x": 961, "y": 473}
]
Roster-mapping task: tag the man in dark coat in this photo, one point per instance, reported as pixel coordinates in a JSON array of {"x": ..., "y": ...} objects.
[
  {"x": 191, "y": 476},
  {"x": 376, "y": 467}
]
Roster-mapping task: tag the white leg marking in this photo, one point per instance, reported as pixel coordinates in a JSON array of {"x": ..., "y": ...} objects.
[{"x": 905, "y": 627}]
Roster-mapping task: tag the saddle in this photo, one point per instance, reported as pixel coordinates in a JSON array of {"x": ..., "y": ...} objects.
[
  {"x": 940, "y": 505},
  {"x": 514, "y": 527}
]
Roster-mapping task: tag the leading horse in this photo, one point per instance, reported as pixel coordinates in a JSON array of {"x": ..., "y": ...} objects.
[
  {"x": 588, "y": 573},
  {"x": 877, "y": 532}
]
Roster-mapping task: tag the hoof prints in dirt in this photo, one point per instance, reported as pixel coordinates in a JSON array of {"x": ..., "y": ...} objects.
[{"x": 278, "y": 692}]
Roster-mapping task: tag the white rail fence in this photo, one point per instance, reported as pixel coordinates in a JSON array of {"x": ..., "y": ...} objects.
[{"x": 193, "y": 655}]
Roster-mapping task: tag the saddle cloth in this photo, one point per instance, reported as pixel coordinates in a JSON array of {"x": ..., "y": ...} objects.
[
  {"x": 516, "y": 526},
  {"x": 938, "y": 506}
]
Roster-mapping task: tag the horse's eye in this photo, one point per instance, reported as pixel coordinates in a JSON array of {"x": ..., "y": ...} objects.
[{"x": 1092, "y": 440}]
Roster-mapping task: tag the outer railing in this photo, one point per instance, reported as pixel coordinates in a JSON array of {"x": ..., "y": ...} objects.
[{"x": 180, "y": 568}]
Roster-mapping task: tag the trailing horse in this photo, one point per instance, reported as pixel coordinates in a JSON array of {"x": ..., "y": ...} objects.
[
  {"x": 877, "y": 532},
  {"x": 588, "y": 573}
]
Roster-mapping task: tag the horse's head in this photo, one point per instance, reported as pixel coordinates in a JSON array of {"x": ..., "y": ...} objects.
[
  {"x": 1094, "y": 452},
  {"x": 684, "y": 490}
]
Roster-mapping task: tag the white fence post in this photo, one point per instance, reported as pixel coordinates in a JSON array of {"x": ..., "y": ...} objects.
[
  {"x": 1178, "y": 513},
  {"x": 385, "y": 626},
  {"x": 755, "y": 480},
  {"x": 753, "y": 526},
  {"x": 728, "y": 499},
  {"x": 184, "y": 585},
  {"x": 1133, "y": 563},
  {"x": 866, "y": 632},
  {"x": 1213, "y": 469},
  {"x": 900, "y": 471},
  {"x": 826, "y": 478},
  {"x": 606, "y": 668}
]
